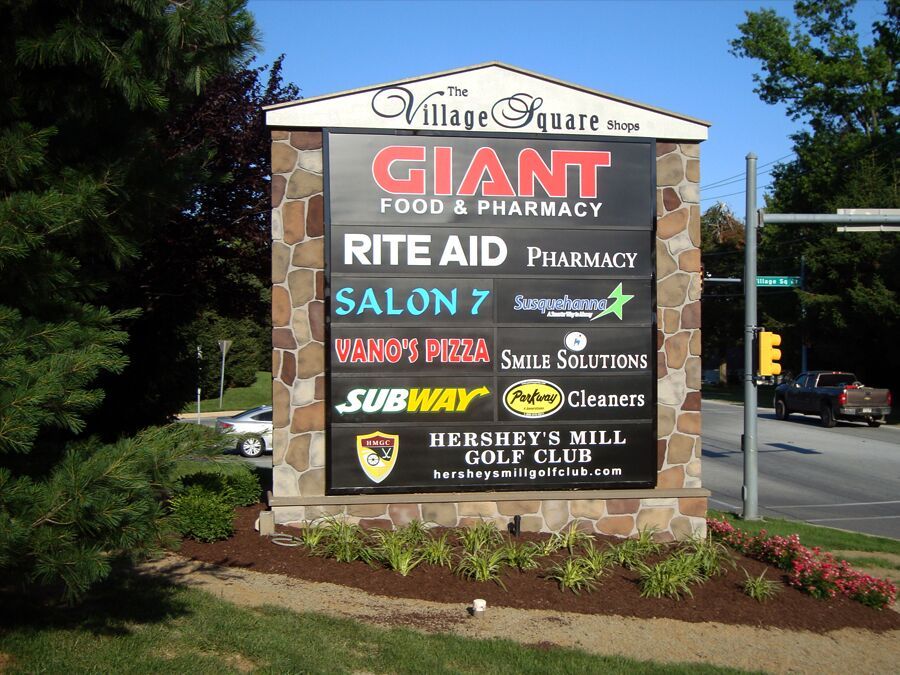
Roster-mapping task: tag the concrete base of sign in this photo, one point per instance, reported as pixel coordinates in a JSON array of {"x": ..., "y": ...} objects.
[{"x": 672, "y": 514}]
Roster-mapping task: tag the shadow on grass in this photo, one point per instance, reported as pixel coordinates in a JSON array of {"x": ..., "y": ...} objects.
[{"x": 128, "y": 597}]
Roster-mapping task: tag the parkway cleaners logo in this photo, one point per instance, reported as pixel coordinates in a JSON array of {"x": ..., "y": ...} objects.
[{"x": 575, "y": 308}]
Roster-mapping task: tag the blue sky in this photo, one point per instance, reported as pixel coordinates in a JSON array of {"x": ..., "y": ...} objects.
[{"x": 667, "y": 53}]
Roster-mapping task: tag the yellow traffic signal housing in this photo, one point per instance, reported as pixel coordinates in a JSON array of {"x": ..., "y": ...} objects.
[{"x": 769, "y": 354}]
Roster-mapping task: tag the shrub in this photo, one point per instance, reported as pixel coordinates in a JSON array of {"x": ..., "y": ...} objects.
[
  {"x": 396, "y": 552},
  {"x": 671, "y": 578},
  {"x": 244, "y": 487},
  {"x": 759, "y": 588},
  {"x": 570, "y": 538},
  {"x": 238, "y": 488},
  {"x": 572, "y": 575},
  {"x": 414, "y": 532},
  {"x": 437, "y": 551},
  {"x": 522, "y": 555},
  {"x": 479, "y": 536},
  {"x": 344, "y": 542},
  {"x": 312, "y": 537},
  {"x": 202, "y": 515},
  {"x": 710, "y": 556},
  {"x": 483, "y": 565},
  {"x": 632, "y": 551},
  {"x": 596, "y": 561},
  {"x": 813, "y": 571}
]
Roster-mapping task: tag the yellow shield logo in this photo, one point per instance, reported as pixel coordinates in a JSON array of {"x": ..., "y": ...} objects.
[{"x": 377, "y": 454}]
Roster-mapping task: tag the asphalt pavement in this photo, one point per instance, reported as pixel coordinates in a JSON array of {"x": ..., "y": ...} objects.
[{"x": 846, "y": 477}]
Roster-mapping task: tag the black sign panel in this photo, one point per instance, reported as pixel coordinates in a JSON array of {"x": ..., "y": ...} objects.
[
  {"x": 504, "y": 182},
  {"x": 412, "y": 399},
  {"x": 575, "y": 351},
  {"x": 400, "y": 350},
  {"x": 491, "y": 457},
  {"x": 404, "y": 300},
  {"x": 451, "y": 252},
  {"x": 600, "y": 302},
  {"x": 491, "y": 313}
]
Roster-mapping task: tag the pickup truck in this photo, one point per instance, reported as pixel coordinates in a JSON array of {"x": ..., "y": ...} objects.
[{"x": 832, "y": 396}]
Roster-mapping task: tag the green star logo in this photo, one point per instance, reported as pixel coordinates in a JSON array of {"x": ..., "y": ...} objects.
[{"x": 618, "y": 300}]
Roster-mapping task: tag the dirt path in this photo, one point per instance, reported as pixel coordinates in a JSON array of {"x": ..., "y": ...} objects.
[{"x": 660, "y": 640}]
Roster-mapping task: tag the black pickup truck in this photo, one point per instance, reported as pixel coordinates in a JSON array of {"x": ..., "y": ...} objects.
[{"x": 832, "y": 396}]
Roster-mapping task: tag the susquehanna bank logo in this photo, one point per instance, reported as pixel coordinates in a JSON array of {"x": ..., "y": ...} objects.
[
  {"x": 377, "y": 454},
  {"x": 575, "y": 308}
]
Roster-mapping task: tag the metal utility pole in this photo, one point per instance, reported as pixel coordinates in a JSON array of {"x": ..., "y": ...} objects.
[
  {"x": 223, "y": 346},
  {"x": 199, "y": 376},
  {"x": 749, "y": 489}
]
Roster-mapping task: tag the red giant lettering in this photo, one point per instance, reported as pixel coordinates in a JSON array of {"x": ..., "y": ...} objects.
[{"x": 486, "y": 172}]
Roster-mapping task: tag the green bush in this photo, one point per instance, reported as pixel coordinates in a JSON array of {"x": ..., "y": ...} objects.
[
  {"x": 202, "y": 515},
  {"x": 244, "y": 487},
  {"x": 236, "y": 488}
]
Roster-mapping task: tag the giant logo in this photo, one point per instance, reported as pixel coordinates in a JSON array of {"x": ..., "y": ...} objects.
[
  {"x": 377, "y": 453},
  {"x": 533, "y": 398},
  {"x": 395, "y": 400},
  {"x": 485, "y": 174}
]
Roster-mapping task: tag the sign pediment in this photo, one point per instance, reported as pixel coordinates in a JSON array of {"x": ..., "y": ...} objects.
[{"x": 491, "y": 97}]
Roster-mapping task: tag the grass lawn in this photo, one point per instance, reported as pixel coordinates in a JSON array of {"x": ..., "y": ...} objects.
[
  {"x": 239, "y": 398},
  {"x": 145, "y": 625},
  {"x": 826, "y": 538}
]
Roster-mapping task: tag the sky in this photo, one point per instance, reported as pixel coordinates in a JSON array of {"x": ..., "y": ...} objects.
[{"x": 670, "y": 54}]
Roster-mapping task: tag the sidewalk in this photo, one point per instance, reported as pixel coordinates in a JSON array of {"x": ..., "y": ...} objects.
[{"x": 186, "y": 417}]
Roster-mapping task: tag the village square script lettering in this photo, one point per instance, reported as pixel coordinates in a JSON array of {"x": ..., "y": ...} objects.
[{"x": 490, "y": 312}]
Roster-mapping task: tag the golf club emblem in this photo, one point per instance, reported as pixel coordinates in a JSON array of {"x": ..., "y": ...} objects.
[{"x": 377, "y": 454}]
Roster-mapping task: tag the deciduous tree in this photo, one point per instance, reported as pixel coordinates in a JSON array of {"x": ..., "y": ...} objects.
[{"x": 846, "y": 89}]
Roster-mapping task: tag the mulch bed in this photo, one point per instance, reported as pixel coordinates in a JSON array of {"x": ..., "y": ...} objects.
[{"x": 721, "y": 599}]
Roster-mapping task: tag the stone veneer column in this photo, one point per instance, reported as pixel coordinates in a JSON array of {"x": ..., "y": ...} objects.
[
  {"x": 298, "y": 365},
  {"x": 678, "y": 286},
  {"x": 298, "y": 315}
]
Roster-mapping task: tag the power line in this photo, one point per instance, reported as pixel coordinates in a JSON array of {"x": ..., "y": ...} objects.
[
  {"x": 739, "y": 192},
  {"x": 739, "y": 176}
]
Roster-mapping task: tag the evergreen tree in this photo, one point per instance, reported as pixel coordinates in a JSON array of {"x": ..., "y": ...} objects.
[
  {"x": 86, "y": 171},
  {"x": 847, "y": 93},
  {"x": 208, "y": 263}
]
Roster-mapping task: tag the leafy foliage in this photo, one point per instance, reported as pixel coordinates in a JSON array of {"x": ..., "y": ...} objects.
[
  {"x": 479, "y": 536},
  {"x": 632, "y": 551},
  {"x": 571, "y": 537},
  {"x": 99, "y": 503},
  {"x": 203, "y": 515},
  {"x": 522, "y": 555},
  {"x": 846, "y": 89},
  {"x": 88, "y": 172},
  {"x": 483, "y": 564},
  {"x": 759, "y": 588},
  {"x": 571, "y": 574},
  {"x": 670, "y": 578},
  {"x": 345, "y": 542},
  {"x": 397, "y": 552},
  {"x": 437, "y": 551},
  {"x": 237, "y": 488}
]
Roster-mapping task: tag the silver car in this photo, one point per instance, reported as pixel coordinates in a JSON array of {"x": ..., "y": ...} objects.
[{"x": 254, "y": 428}]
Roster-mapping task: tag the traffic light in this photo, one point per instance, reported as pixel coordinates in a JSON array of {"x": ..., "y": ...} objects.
[{"x": 769, "y": 354}]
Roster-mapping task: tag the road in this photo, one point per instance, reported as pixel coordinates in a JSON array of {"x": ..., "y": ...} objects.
[{"x": 846, "y": 477}]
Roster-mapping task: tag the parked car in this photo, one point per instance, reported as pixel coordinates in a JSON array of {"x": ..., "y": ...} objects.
[
  {"x": 832, "y": 396},
  {"x": 253, "y": 428}
]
